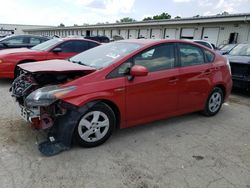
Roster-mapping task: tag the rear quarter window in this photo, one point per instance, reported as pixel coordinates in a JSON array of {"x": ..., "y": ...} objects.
[{"x": 209, "y": 56}]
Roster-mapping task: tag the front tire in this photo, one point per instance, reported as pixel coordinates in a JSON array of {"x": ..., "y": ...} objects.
[
  {"x": 214, "y": 102},
  {"x": 95, "y": 126}
]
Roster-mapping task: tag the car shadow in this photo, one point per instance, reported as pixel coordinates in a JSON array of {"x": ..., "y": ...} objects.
[{"x": 168, "y": 123}]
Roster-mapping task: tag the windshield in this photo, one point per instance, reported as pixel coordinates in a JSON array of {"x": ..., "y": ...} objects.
[
  {"x": 241, "y": 50},
  {"x": 106, "y": 54},
  {"x": 227, "y": 47},
  {"x": 47, "y": 45}
]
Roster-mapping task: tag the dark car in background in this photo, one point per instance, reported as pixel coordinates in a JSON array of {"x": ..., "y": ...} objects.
[
  {"x": 239, "y": 59},
  {"x": 101, "y": 39},
  {"x": 20, "y": 41}
]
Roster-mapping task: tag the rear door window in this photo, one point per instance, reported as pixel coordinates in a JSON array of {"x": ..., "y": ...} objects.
[
  {"x": 80, "y": 46},
  {"x": 190, "y": 55},
  {"x": 74, "y": 46},
  {"x": 34, "y": 41}
]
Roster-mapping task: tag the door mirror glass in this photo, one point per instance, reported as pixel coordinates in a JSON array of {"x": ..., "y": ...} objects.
[
  {"x": 138, "y": 70},
  {"x": 57, "y": 50}
]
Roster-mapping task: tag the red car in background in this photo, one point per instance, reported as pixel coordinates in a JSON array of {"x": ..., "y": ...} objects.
[
  {"x": 119, "y": 85},
  {"x": 56, "y": 48}
]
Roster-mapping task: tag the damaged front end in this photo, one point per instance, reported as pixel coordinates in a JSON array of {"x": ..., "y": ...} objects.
[{"x": 38, "y": 99}]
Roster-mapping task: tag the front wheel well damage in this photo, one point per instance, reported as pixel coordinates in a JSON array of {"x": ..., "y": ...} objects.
[{"x": 64, "y": 127}]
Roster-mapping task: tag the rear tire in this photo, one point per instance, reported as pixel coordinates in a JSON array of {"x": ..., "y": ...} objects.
[
  {"x": 95, "y": 126},
  {"x": 214, "y": 102}
]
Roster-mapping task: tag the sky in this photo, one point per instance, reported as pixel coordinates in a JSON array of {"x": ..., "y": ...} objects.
[{"x": 70, "y": 12}]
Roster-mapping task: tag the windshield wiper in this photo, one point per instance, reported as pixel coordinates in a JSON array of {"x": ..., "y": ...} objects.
[{"x": 81, "y": 63}]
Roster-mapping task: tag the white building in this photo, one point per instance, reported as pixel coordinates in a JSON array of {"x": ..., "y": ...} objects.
[
  {"x": 6, "y": 29},
  {"x": 219, "y": 29}
]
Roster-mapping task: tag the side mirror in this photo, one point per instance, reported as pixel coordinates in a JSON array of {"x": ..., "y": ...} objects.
[
  {"x": 57, "y": 50},
  {"x": 138, "y": 70}
]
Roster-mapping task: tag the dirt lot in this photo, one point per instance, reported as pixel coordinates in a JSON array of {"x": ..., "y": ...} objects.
[{"x": 188, "y": 151}]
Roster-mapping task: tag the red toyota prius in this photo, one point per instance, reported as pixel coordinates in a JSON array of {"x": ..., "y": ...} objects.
[
  {"x": 119, "y": 85},
  {"x": 57, "y": 48}
]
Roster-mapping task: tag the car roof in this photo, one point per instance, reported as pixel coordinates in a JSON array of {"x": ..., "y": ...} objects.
[
  {"x": 146, "y": 42},
  {"x": 83, "y": 39},
  {"x": 201, "y": 41},
  {"x": 26, "y": 35}
]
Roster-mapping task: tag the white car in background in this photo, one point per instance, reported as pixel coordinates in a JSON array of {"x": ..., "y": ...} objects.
[{"x": 205, "y": 43}]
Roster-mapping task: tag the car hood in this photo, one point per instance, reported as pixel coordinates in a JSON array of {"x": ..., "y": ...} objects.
[
  {"x": 15, "y": 50},
  {"x": 55, "y": 66},
  {"x": 239, "y": 59}
]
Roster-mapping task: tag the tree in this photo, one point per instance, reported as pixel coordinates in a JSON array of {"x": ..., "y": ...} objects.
[
  {"x": 223, "y": 13},
  {"x": 163, "y": 15},
  {"x": 147, "y": 18},
  {"x": 61, "y": 25},
  {"x": 126, "y": 19},
  {"x": 75, "y": 25},
  {"x": 196, "y": 16}
]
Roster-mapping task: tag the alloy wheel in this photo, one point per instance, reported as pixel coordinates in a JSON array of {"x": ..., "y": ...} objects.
[
  {"x": 93, "y": 126},
  {"x": 215, "y": 101}
]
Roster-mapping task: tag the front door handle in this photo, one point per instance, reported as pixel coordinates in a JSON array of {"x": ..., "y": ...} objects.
[{"x": 119, "y": 90}]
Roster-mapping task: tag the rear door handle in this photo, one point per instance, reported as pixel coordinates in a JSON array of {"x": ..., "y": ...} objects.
[
  {"x": 207, "y": 72},
  {"x": 173, "y": 80}
]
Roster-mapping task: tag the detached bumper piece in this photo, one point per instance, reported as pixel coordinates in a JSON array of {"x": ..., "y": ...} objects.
[
  {"x": 61, "y": 133},
  {"x": 49, "y": 148}
]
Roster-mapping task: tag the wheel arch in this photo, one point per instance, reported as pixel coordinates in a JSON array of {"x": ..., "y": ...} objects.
[
  {"x": 223, "y": 88},
  {"x": 113, "y": 106}
]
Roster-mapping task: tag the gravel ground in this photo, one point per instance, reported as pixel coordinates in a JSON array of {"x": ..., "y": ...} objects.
[{"x": 187, "y": 151}]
